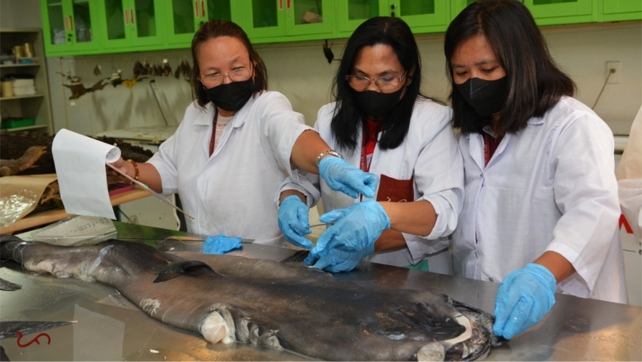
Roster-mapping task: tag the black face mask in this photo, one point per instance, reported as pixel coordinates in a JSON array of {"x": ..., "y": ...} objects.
[
  {"x": 485, "y": 96},
  {"x": 375, "y": 104},
  {"x": 231, "y": 96}
]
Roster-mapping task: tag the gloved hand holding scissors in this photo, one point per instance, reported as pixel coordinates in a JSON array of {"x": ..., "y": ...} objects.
[
  {"x": 350, "y": 238},
  {"x": 523, "y": 298},
  {"x": 294, "y": 221},
  {"x": 335, "y": 260},
  {"x": 344, "y": 177}
]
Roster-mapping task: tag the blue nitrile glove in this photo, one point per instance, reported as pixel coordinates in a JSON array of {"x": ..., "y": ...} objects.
[
  {"x": 354, "y": 228},
  {"x": 523, "y": 299},
  {"x": 294, "y": 221},
  {"x": 335, "y": 260},
  {"x": 221, "y": 244},
  {"x": 344, "y": 177}
]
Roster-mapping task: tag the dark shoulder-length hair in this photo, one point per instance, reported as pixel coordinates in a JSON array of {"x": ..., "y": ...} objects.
[
  {"x": 214, "y": 29},
  {"x": 535, "y": 83},
  {"x": 347, "y": 118}
]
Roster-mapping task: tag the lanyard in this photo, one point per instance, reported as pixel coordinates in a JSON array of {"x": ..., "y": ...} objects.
[
  {"x": 365, "y": 162},
  {"x": 213, "y": 139},
  {"x": 365, "y": 165},
  {"x": 490, "y": 146}
]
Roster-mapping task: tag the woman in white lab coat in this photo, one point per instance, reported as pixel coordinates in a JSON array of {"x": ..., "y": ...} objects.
[
  {"x": 381, "y": 123},
  {"x": 541, "y": 210},
  {"x": 236, "y": 143}
]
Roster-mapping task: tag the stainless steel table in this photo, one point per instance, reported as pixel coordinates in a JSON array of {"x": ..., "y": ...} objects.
[{"x": 109, "y": 327}]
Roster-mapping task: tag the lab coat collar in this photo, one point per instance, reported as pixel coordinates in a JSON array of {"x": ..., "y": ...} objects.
[
  {"x": 476, "y": 146},
  {"x": 476, "y": 143}
]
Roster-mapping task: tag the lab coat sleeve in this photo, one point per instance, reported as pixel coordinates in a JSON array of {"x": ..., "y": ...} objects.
[
  {"x": 281, "y": 127},
  {"x": 165, "y": 159},
  {"x": 308, "y": 183},
  {"x": 305, "y": 185},
  {"x": 439, "y": 179},
  {"x": 439, "y": 175},
  {"x": 581, "y": 169}
]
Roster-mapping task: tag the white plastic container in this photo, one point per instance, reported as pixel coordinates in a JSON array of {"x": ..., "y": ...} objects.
[{"x": 24, "y": 91}]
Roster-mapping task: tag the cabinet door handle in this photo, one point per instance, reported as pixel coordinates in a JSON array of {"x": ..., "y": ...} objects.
[
  {"x": 71, "y": 23},
  {"x": 280, "y": 4},
  {"x": 131, "y": 15},
  {"x": 288, "y": 2},
  {"x": 203, "y": 8},
  {"x": 196, "y": 7},
  {"x": 66, "y": 23},
  {"x": 126, "y": 17}
]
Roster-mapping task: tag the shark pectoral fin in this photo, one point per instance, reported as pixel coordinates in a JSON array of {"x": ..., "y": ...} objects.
[
  {"x": 9, "y": 286},
  {"x": 181, "y": 268}
]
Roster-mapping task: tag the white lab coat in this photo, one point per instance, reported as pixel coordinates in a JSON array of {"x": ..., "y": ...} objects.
[
  {"x": 550, "y": 186},
  {"x": 629, "y": 176},
  {"x": 232, "y": 191},
  {"x": 429, "y": 152}
]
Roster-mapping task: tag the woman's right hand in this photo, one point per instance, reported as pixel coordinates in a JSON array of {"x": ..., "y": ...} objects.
[
  {"x": 123, "y": 166},
  {"x": 294, "y": 221}
]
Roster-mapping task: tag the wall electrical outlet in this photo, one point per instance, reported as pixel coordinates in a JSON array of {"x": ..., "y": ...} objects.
[{"x": 616, "y": 68}]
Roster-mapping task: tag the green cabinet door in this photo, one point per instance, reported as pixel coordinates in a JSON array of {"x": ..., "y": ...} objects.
[
  {"x": 620, "y": 10},
  {"x": 186, "y": 16},
  {"x": 457, "y": 6},
  {"x": 287, "y": 20},
  {"x": 351, "y": 13},
  {"x": 68, "y": 25},
  {"x": 426, "y": 16},
  {"x": 554, "y": 12},
  {"x": 132, "y": 23}
]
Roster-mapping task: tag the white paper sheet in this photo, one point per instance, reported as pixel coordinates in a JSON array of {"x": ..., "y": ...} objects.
[{"x": 80, "y": 167}]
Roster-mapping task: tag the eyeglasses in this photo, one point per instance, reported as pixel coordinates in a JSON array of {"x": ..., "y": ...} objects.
[
  {"x": 387, "y": 83},
  {"x": 235, "y": 75}
]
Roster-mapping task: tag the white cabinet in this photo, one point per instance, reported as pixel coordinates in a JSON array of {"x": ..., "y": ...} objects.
[{"x": 19, "y": 109}]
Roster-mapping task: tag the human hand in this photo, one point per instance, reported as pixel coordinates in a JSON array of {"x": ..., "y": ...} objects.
[
  {"x": 523, "y": 298},
  {"x": 294, "y": 221},
  {"x": 354, "y": 228},
  {"x": 221, "y": 244},
  {"x": 344, "y": 177},
  {"x": 123, "y": 166},
  {"x": 335, "y": 260}
]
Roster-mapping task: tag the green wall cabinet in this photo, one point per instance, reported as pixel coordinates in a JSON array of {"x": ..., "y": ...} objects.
[
  {"x": 458, "y": 6},
  {"x": 82, "y": 27},
  {"x": 134, "y": 24},
  {"x": 69, "y": 26},
  {"x": 621, "y": 10},
  {"x": 555, "y": 12},
  {"x": 351, "y": 13},
  {"x": 426, "y": 16},
  {"x": 551, "y": 12},
  {"x": 290, "y": 20},
  {"x": 186, "y": 16}
]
